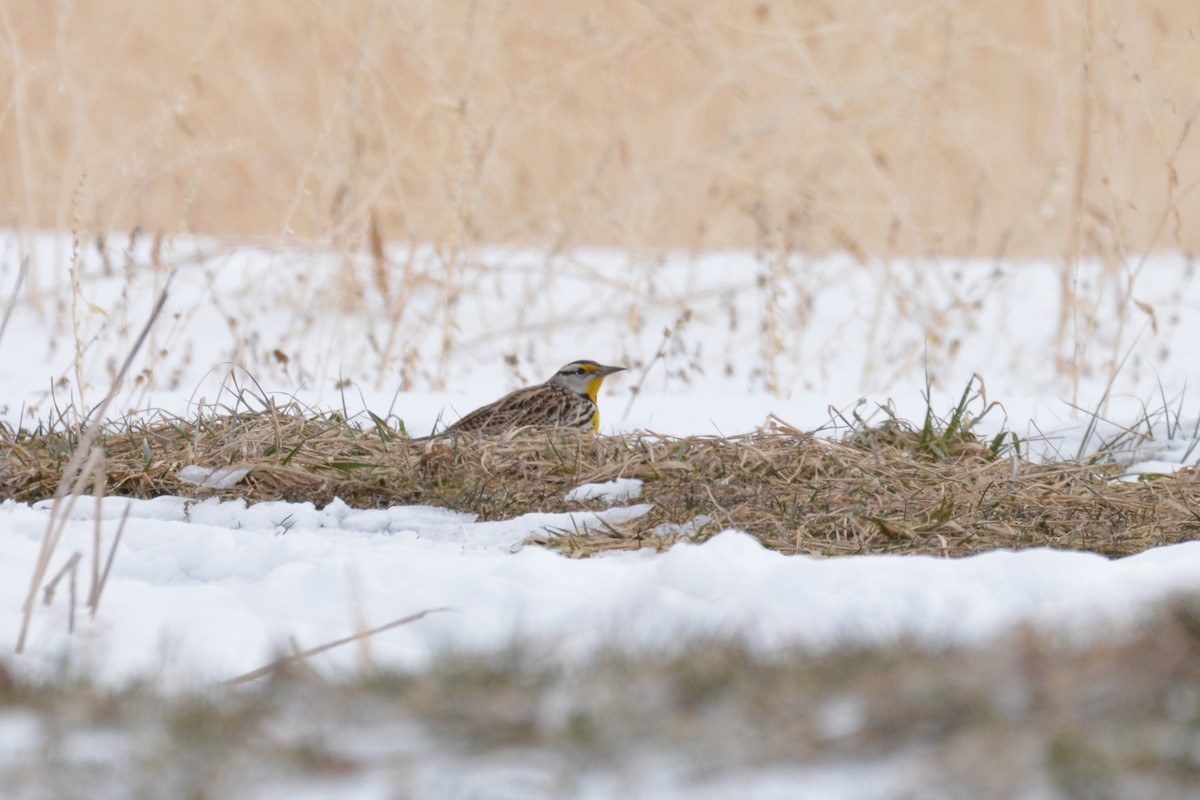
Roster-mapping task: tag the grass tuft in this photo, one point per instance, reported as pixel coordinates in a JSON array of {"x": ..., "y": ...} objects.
[{"x": 940, "y": 437}]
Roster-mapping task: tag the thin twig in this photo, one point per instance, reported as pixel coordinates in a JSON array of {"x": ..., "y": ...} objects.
[
  {"x": 76, "y": 470},
  {"x": 71, "y": 603},
  {"x": 97, "y": 487},
  {"x": 279, "y": 663},
  {"x": 12, "y": 300},
  {"x": 365, "y": 659},
  {"x": 668, "y": 332},
  {"x": 94, "y": 601},
  {"x": 52, "y": 584}
]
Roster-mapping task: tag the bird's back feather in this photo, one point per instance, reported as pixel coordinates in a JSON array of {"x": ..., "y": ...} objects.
[{"x": 543, "y": 406}]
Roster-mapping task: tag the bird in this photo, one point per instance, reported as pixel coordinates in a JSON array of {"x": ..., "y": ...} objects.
[{"x": 566, "y": 401}]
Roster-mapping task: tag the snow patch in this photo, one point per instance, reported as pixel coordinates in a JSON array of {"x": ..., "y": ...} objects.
[
  {"x": 619, "y": 490},
  {"x": 212, "y": 478}
]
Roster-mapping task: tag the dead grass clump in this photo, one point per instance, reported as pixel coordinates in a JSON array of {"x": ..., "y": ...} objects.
[{"x": 872, "y": 493}]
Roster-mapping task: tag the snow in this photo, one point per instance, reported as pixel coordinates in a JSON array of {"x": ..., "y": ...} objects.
[
  {"x": 212, "y": 478},
  {"x": 1150, "y": 469},
  {"x": 614, "y": 491},
  {"x": 205, "y": 591},
  {"x": 215, "y": 592}
]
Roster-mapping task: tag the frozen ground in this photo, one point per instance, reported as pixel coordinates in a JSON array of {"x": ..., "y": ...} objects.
[{"x": 202, "y": 592}]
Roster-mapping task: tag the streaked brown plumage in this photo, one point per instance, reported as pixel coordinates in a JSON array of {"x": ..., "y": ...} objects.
[{"x": 567, "y": 400}]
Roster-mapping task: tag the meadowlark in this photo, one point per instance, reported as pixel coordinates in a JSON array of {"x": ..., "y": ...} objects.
[{"x": 567, "y": 400}]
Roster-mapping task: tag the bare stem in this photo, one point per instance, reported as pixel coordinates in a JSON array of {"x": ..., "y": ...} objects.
[{"x": 300, "y": 656}]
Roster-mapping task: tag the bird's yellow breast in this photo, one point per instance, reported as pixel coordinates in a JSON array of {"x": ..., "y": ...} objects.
[{"x": 593, "y": 387}]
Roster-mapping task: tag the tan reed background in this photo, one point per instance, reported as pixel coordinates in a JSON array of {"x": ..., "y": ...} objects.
[{"x": 1018, "y": 128}]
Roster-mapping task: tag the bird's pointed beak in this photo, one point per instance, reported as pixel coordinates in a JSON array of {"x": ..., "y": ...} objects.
[{"x": 610, "y": 370}]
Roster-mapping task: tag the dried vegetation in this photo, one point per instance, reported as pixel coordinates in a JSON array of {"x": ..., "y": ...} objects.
[{"x": 894, "y": 487}]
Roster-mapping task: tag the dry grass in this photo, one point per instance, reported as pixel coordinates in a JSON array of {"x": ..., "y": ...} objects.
[
  {"x": 893, "y": 488},
  {"x": 882, "y": 129},
  {"x": 1061, "y": 131},
  {"x": 1022, "y": 716}
]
